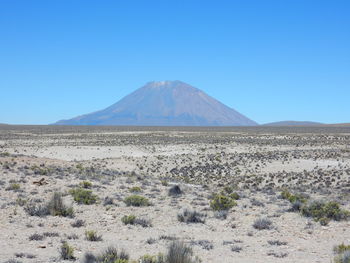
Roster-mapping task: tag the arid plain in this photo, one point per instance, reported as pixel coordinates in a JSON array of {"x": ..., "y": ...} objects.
[{"x": 258, "y": 194}]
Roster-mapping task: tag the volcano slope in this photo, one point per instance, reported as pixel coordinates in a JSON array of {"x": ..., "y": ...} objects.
[{"x": 230, "y": 194}]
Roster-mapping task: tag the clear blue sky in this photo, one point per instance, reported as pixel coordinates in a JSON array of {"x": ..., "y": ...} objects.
[{"x": 270, "y": 60}]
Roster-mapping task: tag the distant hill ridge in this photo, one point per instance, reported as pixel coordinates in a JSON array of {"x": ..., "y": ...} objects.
[
  {"x": 165, "y": 103},
  {"x": 294, "y": 123}
]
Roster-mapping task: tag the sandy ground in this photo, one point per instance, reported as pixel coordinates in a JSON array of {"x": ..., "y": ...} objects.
[{"x": 259, "y": 163}]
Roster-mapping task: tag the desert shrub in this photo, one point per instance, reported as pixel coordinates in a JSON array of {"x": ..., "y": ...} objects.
[
  {"x": 91, "y": 235},
  {"x": 72, "y": 236},
  {"x": 108, "y": 201},
  {"x": 51, "y": 234},
  {"x": 293, "y": 197},
  {"x": 234, "y": 196},
  {"x": 135, "y": 189},
  {"x": 89, "y": 258},
  {"x": 229, "y": 189},
  {"x": 128, "y": 220},
  {"x": 12, "y": 261},
  {"x": 152, "y": 259},
  {"x": 324, "y": 210},
  {"x": 175, "y": 190},
  {"x": 78, "y": 223},
  {"x": 168, "y": 238},
  {"x": 36, "y": 210},
  {"x": 190, "y": 216},
  {"x": 277, "y": 254},
  {"x": 56, "y": 207},
  {"x": 262, "y": 224},
  {"x": 256, "y": 202},
  {"x": 164, "y": 182},
  {"x": 85, "y": 184},
  {"x": 24, "y": 255},
  {"x": 36, "y": 237},
  {"x": 110, "y": 255},
  {"x": 277, "y": 243},
  {"x": 151, "y": 241},
  {"x": 40, "y": 170},
  {"x": 83, "y": 196},
  {"x": 21, "y": 202},
  {"x": 143, "y": 222},
  {"x": 341, "y": 248},
  {"x": 342, "y": 253},
  {"x": 79, "y": 166},
  {"x": 296, "y": 206},
  {"x": 343, "y": 258},
  {"x": 236, "y": 248},
  {"x": 178, "y": 252},
  {"x": 20, "y": 255},
  {"x": 205, "y": 244},
  {"x": 136, "y": 200},
  {"x": 221, "y": 214},
  {"x": 5, "y": 154},
  {"x": 67, "y": 251},
  {"x": 133, "y": 220},
  {"x": 13, "y": 187},
  {"x": 222, "y": 202},
  {"x": 324, "y": 221}
]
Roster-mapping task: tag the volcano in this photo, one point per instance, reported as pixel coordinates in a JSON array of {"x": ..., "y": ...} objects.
[{"x": 165, "y": 103}]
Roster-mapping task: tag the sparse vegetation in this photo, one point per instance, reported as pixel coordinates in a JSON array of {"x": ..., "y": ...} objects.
[
  {"x": 91, "y": 235},
  {"x": 342, "y": 253},
  {"x": 190, "y": 216},
  {"x": 110, "y": 255},
  {"x": 135, "y": 189},
  {"x": 343, "y": 257},
  {"x": 54, "y": 207},
  {"x": 277, "y": 243},
  {"x": 86, "y": 184},
  {"x": 164, "y": 182},
  {"x": 293, "y": 197},
  {"x": 321, "y": 211},
  {"x": 108, "y": 201},
  {"x": 5, "y": 154},
  {"x": 128, "y": 220},
  {"x": 136, "y": 200},
  {"x": 72, "y": 236},
  {"x": 83, "y": 196},
  {"x": 51, "y": 234},
  {"x": 178, "y": 252},
  {"x": 36, "y": 210},
  {"x": 152, "y": 259},
  {"x": 175, "y": 190},
  {"x": 221, "y": 202},
  {"x": 67, "y": 251},
  {"x": 247, "y": 179},
  {"x": 236, "y": 248},
  {"x": 13, "y": 187},
  {"x": 262, "y": 224},
  {"x": 204, "y": 244},
  {"x": 78, "y": 223},
  {"x": 221, "y": 214},
  {"x": 133, "y": 220},
  {"x": 36, "y": 237}
]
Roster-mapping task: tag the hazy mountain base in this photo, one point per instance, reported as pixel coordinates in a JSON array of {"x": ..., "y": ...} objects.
[{"x": 259, "y": 163}]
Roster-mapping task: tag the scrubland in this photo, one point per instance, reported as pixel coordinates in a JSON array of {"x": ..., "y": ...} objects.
[{"x": 174, "y": 195}]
